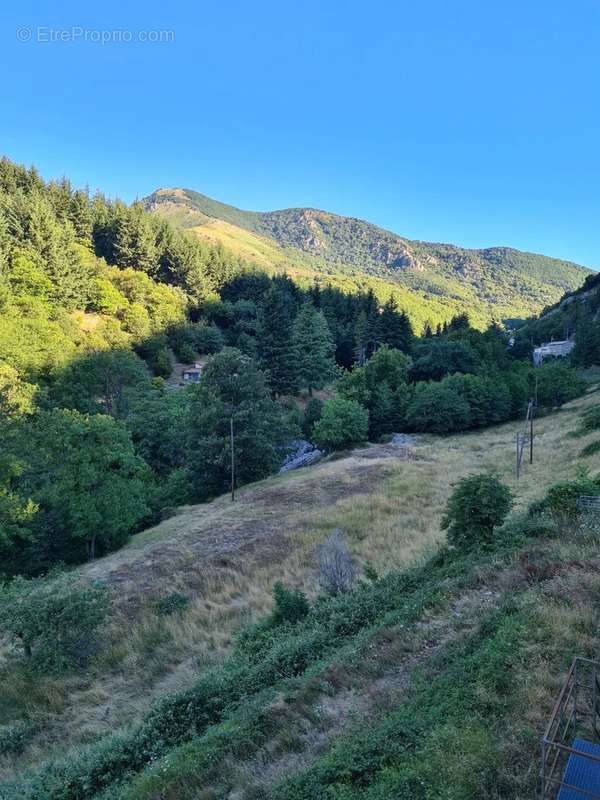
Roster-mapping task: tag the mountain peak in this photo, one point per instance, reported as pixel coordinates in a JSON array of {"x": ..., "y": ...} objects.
[{"x": 491, "y": 282}]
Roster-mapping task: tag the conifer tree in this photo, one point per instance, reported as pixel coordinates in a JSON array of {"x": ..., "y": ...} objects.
[
  {"x": 80, "y": 215},
  {"x": 135, "y": 243},
  {"x": 394, "y": 328},
  {"x": 361, "y": 338},
  {"x": 314, "y": 347},
  {"x": 275, "y": 344}
]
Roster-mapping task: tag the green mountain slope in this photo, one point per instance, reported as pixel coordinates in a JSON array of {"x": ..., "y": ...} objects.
[{"x": 491, "y": 283}]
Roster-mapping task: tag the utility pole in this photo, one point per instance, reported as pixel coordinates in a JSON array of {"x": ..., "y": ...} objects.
[
  {"x": 232, "y": 408},
  {"x": 231, "y": 442},
  {"x": 531, "y": 408}
]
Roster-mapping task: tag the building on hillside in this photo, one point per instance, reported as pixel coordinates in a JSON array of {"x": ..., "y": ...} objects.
[
  {"x": 192, "y": 374},
  {"x": 552, "y": 349}
]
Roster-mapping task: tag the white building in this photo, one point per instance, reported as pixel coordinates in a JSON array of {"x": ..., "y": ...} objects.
[{"x": 554, "y": 349}]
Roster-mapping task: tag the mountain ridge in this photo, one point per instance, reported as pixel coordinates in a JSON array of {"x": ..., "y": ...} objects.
[
  {"x": 489, "y": 283},
  {"x": 151, "y": 202}
]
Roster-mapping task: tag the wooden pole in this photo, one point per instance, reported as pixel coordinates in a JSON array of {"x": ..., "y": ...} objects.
[
  {"x": 531, "y": 407},
  {"x": 232, "y": 459}
]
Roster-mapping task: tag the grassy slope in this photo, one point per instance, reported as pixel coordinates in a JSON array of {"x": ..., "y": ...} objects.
[
  {"x": 432, "y": 281},
  {"x": 228, "y": 557}
]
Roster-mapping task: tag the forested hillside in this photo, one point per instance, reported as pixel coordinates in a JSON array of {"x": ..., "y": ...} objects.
[
  {"x": 102, "y": 306},
  {"x": 98, "y": 301},
  {"x": 438, "y": 280}
]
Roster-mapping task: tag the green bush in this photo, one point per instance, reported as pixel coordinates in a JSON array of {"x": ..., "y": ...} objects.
[
  {"x": 15, "y": 738},
  {"x": 590, "y": 449},
  {"x": 590, "y": 420},
  {"x": 342, "y": 424},
  {"x": 291, "y": 605},
  {"x": 436, "y": 408},
  {"x": 174, "y": 603},
  {"x": 477, "y": 505},
  {"x": 278, "y": 653},
  {"x": 557, "y": 383},
  {"x": 312, "y": 414},
  {"x": 186, "y": 353},
  {"x": 561, "y": 498},
  {"x": 208, "y": 339},
  {"x": 520, "y": 527},
  {"x": 53, "y": 622},
  {"x": 162, "y": 363}
]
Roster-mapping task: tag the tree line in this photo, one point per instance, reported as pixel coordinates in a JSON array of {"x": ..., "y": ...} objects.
[{"x": 97, "y": 302}]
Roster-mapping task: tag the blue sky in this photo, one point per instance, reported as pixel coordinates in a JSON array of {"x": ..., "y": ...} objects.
[{"x": 471, "y": 122}]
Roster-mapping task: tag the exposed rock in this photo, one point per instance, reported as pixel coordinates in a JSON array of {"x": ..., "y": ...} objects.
[{"x": 301, "y": 454}]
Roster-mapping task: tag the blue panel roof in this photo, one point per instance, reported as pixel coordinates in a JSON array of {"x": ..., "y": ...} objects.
[{"x": 582, "y": 772}]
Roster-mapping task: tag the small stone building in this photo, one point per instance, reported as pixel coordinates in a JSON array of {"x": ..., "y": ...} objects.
[{"x": 554, "y": 349}]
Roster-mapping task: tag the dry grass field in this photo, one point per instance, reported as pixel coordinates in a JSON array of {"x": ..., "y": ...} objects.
[{"x": 226, "y": 557}]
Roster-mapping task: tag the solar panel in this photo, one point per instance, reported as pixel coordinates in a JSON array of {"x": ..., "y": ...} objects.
[{"x": 582, "y": 772}]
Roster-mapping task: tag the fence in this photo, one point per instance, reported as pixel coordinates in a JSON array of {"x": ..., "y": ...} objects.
[{"x": 570, "y": 765}]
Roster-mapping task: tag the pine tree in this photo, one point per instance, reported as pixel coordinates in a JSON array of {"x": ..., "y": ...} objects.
[
  {"x": 394, "y": 328},
  {"x": 361, "y": 338},
  {"x": 371, "y": 309},
  {"x": 314, "y": 348},
  {"x": 275, "y": 344},
  {"x": 135, "y": 242},
  {"x": 80, "y": 215}
]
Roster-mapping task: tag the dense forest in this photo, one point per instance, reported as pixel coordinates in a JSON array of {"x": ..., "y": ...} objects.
[{"x": 98, "y": 300}]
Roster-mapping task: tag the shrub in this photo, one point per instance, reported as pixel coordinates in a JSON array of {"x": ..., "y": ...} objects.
[
  {"x": 312, "y": 414},
  {"x": 590, "y": 421},
  {"x": 208, "y": 339},
  {"x": 525, "y": 526},
  {"x": 162, "y": 363},
  {"x": 15, "y": 738},
  {"x": 561, "y": 498},
  {"x": 174, "y": 603},
  {"x": 558, "y": 383},
  {"x": 186, "y": 353},
  {"x": 291, "y": 605},
  {"x": 590, "y": 449},
  {"x": 336, "y": 565},
  {"x": 54, "y": 622},
  {"x": 437, "y": 408},
  {"x": 342, "y": 424},
  {"x": 478, "y": 504}
]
